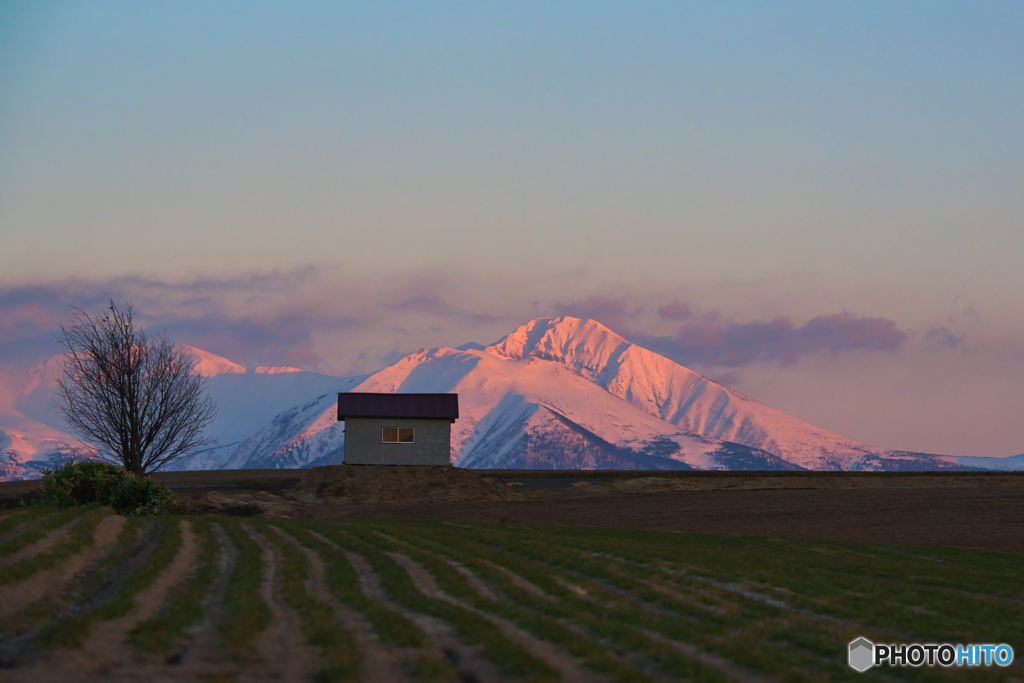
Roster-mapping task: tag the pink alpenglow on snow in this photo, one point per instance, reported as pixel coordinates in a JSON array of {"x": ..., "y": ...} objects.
[
  {"x": 210, "y": 364},
  {"x": 561, "y": 393}
]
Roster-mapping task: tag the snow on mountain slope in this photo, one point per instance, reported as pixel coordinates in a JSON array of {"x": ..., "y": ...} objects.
[
  {"x": 570, "y": 393},
  {"x": 210, "y": 364},
  {"x": 35, "y": 434},
  {"x": 513, "y": 413},
  {"x": 1014, "y": 463},
  {"x": 507, "y": 404},
  {"x": 556, "y": 393},
  {"x": 249, "y": 403},
  {"x": 303, "y": 436},
  {"x": 686, "y": 399},
  {"x": 28, "y": 443}
]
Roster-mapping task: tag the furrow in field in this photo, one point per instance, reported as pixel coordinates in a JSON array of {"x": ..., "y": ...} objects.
[
  {"x": 52, "y": 538},
  {"x": 284, "y": 652},
  {"x": 468, "y": 660},
  {"x": 745, "y": 638},
  {"x": 37, "y": 528},
  {"x": 379, "y": 662},
  {"x": 96, "y": 638},
  {"x": 536, "y": 612},
  {"x": 736, "y": 673},
  {"x": 200, "y": 656},
  {"x": 17, "y": 523},
  {"x": 568, "y": 667},
  {"x": 519, "y": 582},
  {"x": 105, "y": 649},
  {"x": 16, "y": 597},
  {"x": 604, "y": 615},
  {"x": 180, "y": 641}
]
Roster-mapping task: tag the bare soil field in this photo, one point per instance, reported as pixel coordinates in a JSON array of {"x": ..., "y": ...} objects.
[{"x": 983, "y": 510}]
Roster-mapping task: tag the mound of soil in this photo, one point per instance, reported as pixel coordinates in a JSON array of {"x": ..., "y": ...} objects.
[{"x": 361, "y": 484}]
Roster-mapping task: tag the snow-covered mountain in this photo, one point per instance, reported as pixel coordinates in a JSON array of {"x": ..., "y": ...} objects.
[
  {"x": 34, "y": 435},
  {"x": 689, "y": 401},
  {"x": 569, "y": 393},
  {"x": 555, "y": 393}
]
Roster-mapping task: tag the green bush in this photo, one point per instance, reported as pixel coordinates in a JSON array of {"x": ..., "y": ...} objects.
[{"x": 100, "y": 483}]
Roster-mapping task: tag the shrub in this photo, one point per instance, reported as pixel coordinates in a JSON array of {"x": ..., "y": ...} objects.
[{"x": 100, "y": 483}]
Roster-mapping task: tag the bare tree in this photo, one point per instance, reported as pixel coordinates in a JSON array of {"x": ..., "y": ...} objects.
[{"x": 134, "y": 396}]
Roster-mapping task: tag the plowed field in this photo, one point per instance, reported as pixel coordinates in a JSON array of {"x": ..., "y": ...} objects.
[{"x": 89, "y": 596}]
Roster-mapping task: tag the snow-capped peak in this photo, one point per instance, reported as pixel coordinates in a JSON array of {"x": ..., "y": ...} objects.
[
  {"x": 676, "y": 394},
  {"x": 579, "y": 344},
  {"x": 210, "y": 364}
]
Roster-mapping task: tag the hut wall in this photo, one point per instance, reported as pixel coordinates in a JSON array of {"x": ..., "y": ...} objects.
[{"x": 363, "y": 445}]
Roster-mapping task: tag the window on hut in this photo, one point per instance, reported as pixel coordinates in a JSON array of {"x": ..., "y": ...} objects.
[{"x": 398, "y": 434}]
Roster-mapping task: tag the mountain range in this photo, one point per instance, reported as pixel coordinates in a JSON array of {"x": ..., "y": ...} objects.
[{"x": 559, "y": 393}]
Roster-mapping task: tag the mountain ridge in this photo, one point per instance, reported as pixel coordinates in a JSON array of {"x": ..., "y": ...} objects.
[{"x": 556, "y": 392}]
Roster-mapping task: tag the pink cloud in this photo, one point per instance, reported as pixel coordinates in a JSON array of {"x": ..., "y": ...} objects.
[
  {"x": 300, "y": 318},
  {"x": 305, "y": 319},
  {"x": 677, "y": 310},
  {"x": 943, "y": 337},
  {"x": 710, "y": 342}
]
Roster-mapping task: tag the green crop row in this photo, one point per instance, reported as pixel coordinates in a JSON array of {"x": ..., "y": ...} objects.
[
  {"x": 82, "y": 535},
  {"x": 602, "y": 615},
  {"x": 246, "y": 613},
  {"x": 319, "y": 622},
  {"x": 590, "y": 583},
  {"x": 511, "y": 658},
  {"x": 343, "y": 582},
  {"x": 72, "y": 630},
  {"x": 184, "y": 605},
  {"x": 40, "y": 526},
  {"x": 525, "y": 609},
  {"x": 22, "y": 517}
]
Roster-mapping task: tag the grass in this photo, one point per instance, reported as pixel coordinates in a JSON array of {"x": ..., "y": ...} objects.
[
  {"x": 44, "y": 610},
  {"x": 80, "y": 590},
  {"x": 343, "y": 582},
  {"x": 511, "y": 659},
  {"x": 82, "y": 535},
  {"x": 390, "y": 626},
  {"x": 13, "y": 520},
  {"x": 601, "y": 615},
  {"x": 628, "y": 605},
  {"x": 717, "y": 584},
  {"x": 246, "y": 613},
  {"x": 523, "y": 608},
  {"x": 72, "y": 630},
  {"x": 184, "y": 606},
  {"x": 319, "y": 623},
  {"x": 41, "y": 523}
]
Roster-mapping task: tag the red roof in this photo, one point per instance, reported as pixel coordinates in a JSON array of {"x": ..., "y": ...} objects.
[{"x": 409, "y": 406}]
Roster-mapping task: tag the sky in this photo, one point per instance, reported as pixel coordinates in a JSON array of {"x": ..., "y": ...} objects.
[{"x": 818, "y": 204}]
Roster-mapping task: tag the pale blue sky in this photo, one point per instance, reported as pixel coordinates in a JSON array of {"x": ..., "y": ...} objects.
[{"x": 754, "y": 159}]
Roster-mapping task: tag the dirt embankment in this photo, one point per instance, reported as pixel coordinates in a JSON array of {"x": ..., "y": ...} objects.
[
  {"x": 344, "y": 484},
  {"x": 973, "y": 510},
  {"x": 944, "y": 509}
]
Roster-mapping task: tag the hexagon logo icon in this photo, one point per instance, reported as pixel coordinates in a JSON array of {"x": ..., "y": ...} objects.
[{"x": 862, "y": 654}]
